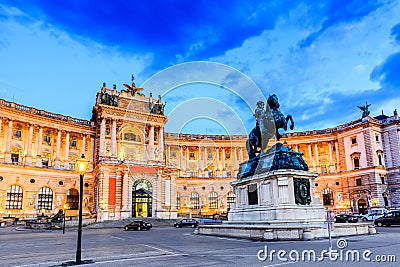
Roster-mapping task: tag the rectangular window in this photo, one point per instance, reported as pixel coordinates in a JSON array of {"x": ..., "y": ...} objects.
[
  {"x": 252, "y": 194},
  {"x": 210, "y": 173},
  {"x": 358, "y": 182},
  {"x": 356, "y": 163},
  {"x": 209, "y": 155},
  {"x": 382, "y": 179},
  {"x": 353, "y": 140},
  {"x": 377, "y": 138},
  {"x": 72, "y": 143},
  {"x": 46, "y": 139},
  {"x": 191, "y": 155},
  {"x": 173, "y": 154},
  {"x": 228, "y": 156}
]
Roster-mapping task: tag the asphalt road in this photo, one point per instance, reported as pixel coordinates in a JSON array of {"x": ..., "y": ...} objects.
[{"x": 167, "y": 246}]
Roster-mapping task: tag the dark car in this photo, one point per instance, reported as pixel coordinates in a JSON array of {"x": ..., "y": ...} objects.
[
  {"x": 186, "y": 223},
  {"x": 344, "y": 218},
  {"x": 390, "y": 218},
  {"x": 138, "y": 225}
]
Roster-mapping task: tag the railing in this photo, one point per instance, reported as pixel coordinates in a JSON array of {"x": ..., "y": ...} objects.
[{"x": 44, "y": 113}]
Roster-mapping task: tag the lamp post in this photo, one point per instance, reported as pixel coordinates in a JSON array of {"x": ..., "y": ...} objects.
[{"x": 81, "y": 166}]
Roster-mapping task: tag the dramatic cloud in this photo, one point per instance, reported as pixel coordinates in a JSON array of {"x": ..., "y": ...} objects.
[{"x": 321, "y": 58}]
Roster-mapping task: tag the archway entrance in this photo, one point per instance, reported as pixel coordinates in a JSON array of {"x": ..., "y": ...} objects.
[
  {"x": 362, "y": 206},
  {"x": 142, "y": 199}
]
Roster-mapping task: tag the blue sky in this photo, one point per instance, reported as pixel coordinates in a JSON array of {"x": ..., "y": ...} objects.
[{"x": 322, "y": 58}]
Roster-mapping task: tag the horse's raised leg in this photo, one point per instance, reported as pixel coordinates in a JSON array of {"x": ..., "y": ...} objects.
[{"x": 289, "y": 117}]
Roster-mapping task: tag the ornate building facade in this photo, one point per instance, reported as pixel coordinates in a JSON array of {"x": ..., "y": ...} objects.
[{"x": 138, "y": 170}]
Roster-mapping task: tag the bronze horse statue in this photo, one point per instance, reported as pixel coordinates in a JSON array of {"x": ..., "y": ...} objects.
[{"x": 268, "y": 123}]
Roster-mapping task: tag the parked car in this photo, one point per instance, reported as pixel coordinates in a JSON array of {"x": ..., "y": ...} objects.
[
  {"x": 374, "y": 214},
  {"x": 390, "y": 218},
  {"x": 344, "y": 218},
  {"x": 138, "y": 225},
  {"x": 186, "y": 223}
]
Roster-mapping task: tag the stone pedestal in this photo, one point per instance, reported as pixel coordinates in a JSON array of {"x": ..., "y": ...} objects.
[{"x": 276, "y": 197}]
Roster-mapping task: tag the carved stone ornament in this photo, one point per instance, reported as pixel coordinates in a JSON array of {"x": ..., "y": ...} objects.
[{"x": 302, "y": 192}]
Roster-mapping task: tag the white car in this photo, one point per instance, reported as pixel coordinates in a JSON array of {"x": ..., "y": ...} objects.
[
  {"x": 370, "y": 217},
  {"x": 374, "y": 214}
]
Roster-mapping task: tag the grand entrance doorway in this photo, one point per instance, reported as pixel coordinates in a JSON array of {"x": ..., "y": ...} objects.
[{"x": 142, "y": 199}]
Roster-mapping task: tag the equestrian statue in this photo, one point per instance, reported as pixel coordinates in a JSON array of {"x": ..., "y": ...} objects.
[{"x": 268, "y": 121}]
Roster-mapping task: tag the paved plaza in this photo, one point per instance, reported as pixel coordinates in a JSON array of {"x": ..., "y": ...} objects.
[{"x": 167, "y": 246}]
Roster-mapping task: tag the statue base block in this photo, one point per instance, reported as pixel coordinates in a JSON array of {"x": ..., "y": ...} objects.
[{"x": 278, "y": 205}]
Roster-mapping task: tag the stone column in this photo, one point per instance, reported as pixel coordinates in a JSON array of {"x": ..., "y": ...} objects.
[
  {"x": 168, "y": 155},
  {"x": 114, "y": 138},
  {"x": 151, "y": 143},
  {"x": 180, "y": 158},
  {"x": 161, "y": 144},
  {"x": 28, "y": 158},
  {"x": 217, "y": 161},
  {"x": 7, "y": 154},
  {"x": 235, "y": 163},
  {"x": 241, "y": 154},
  {"x": 66, "y": 155},
  {"x": 58, "y": 145},
  {"x": 125, "y": 194},
  {"x": 102, "y": 136},
  {"x": 310, "y": 157},
  {"x": 331, "y": 166},
  {"x": 39, "y": 147},
  {"x": 223, "y": 160},
  {"x": 187, "y": 159},
  {"x": 199, "y": 161},
  {"x": 91, "y": 149},
  {"x": 83, "y": 149},
  {"x": 296, "y": 148},
  {"x": 318, "y": 167},
  {"x": 205, "y": 163},
  {"x": 337, "y": 156}
]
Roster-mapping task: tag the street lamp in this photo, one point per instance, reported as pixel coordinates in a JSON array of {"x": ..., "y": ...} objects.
[{"x": 81, "y": 166}]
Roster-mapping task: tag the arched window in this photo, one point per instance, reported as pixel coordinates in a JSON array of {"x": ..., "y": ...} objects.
[
  {"x": 194, "y": 200},
  {"x": 45, "y": 198},
  {"x": 72, "y": 199},
  {"x": 213, "y": 200},
  {"x": 14, "y": 197},
  {"x": 327, "y": 197},
  {"x": 380, "y": 157},
  {"x": 230, "y": 199}
]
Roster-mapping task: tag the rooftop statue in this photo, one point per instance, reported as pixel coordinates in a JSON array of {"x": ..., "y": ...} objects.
[
  {"x": 156, "y": 107},
  {"x": 364, "y": 109}
]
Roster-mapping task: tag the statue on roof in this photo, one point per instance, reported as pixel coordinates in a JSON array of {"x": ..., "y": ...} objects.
[
  {"x": 132, "y": 88},
  {"x": 365, "y": 109}
]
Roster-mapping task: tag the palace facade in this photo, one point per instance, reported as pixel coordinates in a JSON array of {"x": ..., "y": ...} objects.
[{"x": 138, "y": 170}]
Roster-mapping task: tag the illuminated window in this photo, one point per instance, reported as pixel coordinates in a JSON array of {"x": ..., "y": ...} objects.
[
  {"x": 230, "y": 199},
  {"x": 213, "y": 200},
  {"x": 14, "y": 197},
  {"x": 327, "y": 196},
  {"x": 73, "y": 199},
  {"x": 194, "y": 200},
  {"x": 45, "y": 198}
]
